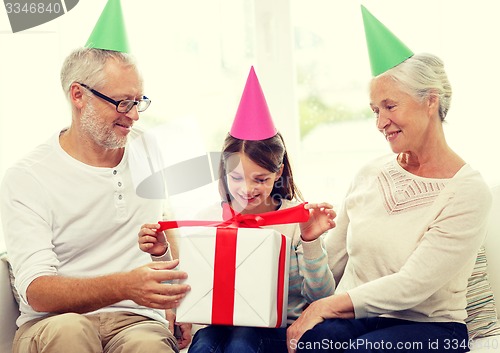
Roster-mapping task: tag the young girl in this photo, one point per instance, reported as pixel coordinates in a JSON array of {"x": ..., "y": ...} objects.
[{"x": 256, "y": 177}]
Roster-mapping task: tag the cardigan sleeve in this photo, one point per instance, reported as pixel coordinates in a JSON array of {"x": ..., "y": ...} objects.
[{"x": 313, "y": 267}]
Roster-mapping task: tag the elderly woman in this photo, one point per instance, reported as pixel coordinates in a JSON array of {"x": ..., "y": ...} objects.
[
  {"x": 408, "y": 231},
  {"x": 410, "y": 226}
]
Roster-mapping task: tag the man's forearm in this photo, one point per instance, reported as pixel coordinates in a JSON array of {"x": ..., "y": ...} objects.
[{"x": 62, "y": 294}]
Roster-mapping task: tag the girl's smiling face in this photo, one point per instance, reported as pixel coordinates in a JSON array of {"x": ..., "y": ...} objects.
[{"x": 250, "y": 185}]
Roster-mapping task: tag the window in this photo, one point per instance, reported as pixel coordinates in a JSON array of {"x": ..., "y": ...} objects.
[{"x": 332, "y": 74}]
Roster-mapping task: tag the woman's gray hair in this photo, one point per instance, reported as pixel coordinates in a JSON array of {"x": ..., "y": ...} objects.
[
  {"x": 421, "y": 76},
  {"x": 86, "y": 65}
]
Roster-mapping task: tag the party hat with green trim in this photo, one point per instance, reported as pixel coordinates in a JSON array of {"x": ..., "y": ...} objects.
[
  {"x": 384, "y": 48},
  {"x": 109, "y": 32}
]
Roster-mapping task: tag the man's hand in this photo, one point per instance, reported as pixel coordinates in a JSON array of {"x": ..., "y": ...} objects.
[
  {"x": 155, "y": 285},
  {"x": 144, "y": 285}
]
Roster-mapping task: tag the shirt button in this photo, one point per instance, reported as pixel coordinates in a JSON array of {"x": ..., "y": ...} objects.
[
  {"x": 120, "y": 197},
  {"x": 119, "y": 183},
  {"x": 114, "y": 172}
]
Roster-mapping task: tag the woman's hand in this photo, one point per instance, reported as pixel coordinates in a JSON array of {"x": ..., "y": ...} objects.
[
  {"x": 320, "y": 220},
  {"x": 334, "y": 306},
  {"x": 152, "y": 241},
  {"x": 313, "y": 315}
]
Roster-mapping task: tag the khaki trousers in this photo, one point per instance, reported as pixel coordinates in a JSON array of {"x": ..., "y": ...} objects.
[{"x": 116, "y": 332}]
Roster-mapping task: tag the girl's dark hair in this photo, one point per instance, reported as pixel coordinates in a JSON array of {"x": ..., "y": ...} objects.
[{"x": 269, "y": 154}]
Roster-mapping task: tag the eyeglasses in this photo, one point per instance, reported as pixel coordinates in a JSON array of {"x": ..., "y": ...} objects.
[{"x": 123, "y": 106}]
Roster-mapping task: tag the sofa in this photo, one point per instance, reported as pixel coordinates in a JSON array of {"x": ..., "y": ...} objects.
[
  {"x": 8, "y": 309},
  {"x": 491, "y": 343},
  {"x": 483, "y": 318}
]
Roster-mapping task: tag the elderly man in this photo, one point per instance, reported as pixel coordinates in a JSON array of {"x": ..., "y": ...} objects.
[{"x": 71, "y": 213}]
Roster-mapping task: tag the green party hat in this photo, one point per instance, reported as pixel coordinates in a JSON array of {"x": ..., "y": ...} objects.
[
  {"x": 384, "y": 48},
  {"x": 109, "y": 32}
]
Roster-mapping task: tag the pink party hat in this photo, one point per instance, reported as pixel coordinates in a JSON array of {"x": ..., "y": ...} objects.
[{"x": 253, "y": 120}]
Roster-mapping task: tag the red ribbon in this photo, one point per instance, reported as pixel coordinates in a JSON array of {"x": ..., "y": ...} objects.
[
  {"x": 281, "y": 281},
  {"x": 296, "y": 214},
  {"x": 224, "y": 276},
  {"x": 225, "y": 254}
]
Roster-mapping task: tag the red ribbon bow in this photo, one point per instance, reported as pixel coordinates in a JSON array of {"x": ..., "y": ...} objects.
[{"x": 296, "y": 214}]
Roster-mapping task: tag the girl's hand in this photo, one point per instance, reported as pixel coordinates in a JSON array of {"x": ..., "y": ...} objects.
[
  {"x": 320, "y": 220},
  {"x": 152, "y": 241},
  {"x": 183, "y": 331}
]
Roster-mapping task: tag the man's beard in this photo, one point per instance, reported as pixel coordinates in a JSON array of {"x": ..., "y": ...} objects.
[{"x": 94, "y": 127}]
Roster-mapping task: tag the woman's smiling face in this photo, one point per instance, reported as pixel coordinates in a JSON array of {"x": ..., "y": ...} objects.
[{"x": 402, "y": 119}]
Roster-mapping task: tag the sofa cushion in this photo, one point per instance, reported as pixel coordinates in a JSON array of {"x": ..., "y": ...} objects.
[
  {"x": 8, "y": 309},
  {"x": 4, "y": 257},
  {"x": 481, "y": 308}
]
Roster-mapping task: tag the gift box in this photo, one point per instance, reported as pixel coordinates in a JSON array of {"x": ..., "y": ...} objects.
[
  {"x": 238, "y": 272},
  {"x": 238, "y": 276}
]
